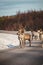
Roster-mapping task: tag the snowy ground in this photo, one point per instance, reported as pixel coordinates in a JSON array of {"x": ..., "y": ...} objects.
[{"x": 10, "y": 40}]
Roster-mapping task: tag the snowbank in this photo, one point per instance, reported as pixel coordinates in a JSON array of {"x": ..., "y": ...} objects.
[{"x": 8, "y": 41}]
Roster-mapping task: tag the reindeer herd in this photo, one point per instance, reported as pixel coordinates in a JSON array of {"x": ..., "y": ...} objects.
[{"x": 22, "y": 36}]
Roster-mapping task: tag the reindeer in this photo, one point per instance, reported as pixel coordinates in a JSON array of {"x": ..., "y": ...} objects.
[{"x": 23, "y": 37}]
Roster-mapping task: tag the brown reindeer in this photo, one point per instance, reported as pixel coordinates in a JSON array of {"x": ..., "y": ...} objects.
[{"x": 23, "y": 36}]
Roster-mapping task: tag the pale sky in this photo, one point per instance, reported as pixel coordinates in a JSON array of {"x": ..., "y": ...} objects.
[{"x": 11, "y": 7}]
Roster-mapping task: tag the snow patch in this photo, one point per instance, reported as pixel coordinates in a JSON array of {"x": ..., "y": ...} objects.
[{"x": 8, "y": 41}]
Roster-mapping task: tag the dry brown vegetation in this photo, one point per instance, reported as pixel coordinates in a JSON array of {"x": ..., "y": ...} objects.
[{"x": 30, "y": 20}]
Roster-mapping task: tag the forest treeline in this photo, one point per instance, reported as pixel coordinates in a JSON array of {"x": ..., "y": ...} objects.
[{"x": 29, "y": 20}]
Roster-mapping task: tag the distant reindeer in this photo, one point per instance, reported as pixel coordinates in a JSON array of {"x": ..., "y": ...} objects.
[{"x": 23, "y": 37}]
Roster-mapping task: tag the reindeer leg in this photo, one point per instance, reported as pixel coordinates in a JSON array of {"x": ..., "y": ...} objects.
[
  {"x": 23, "y": 43},
  {"x": 20, "y": 43},
  {"x": 29, "y": 42}
]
